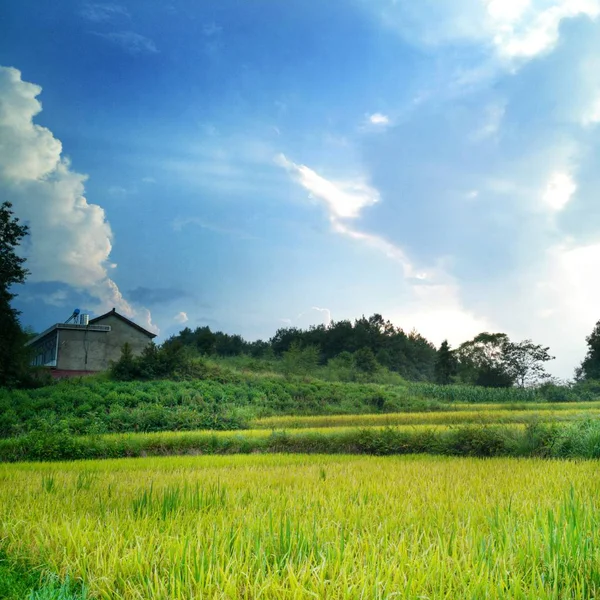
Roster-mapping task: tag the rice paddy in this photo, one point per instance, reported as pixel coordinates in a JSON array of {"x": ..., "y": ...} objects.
[
  {"x": 281, "y": 526},
  {"x": 456, "y": 415},
  {"x": 264, "y": 524}
]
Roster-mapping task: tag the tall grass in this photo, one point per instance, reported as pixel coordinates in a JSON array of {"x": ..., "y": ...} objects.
[
  {"x": 559, "y": 440},
  {"x": 295, "y": 527}
]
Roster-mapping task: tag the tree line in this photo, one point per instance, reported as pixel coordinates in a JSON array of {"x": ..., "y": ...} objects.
[
  {"x": 364, "y": 345},
  {"x": 371, "y": 343}
]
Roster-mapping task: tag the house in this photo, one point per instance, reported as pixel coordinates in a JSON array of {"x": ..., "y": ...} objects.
[{"x": 87, "y": 346}]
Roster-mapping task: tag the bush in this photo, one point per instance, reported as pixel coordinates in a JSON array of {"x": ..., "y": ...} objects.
[{"x": 551, "y": 392}]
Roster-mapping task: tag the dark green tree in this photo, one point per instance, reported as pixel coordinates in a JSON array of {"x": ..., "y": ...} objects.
[
  {"x": 13, "y": 354},
  {"x": 365, "y": 361},
  {"x": 299, "y": 360},
  {"x": 590, "y": 367},
  {"x": 125, "y": 369},
  {"x": 446, "y": 366},
  {"x": 525, "y": 362},
  {"x": 482, "y": 361}
]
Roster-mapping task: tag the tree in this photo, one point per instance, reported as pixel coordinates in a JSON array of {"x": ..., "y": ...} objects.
[
  {"x": 13, "y": 355},
  {"x": 590, "y": 367},
  {"x": 482, "y": 361},
  {"x": 525, "y": 362},
  {"x": 125, "y": 369},
  {"x": 446, "y": 366},
  {"x": 300, "y": 360},
  {"x": 365, "y": 361}
]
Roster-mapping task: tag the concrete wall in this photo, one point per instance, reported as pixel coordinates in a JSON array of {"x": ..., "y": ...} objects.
[
  {"x": 100, "y": 347},
  {"x": 74, "y": 344}
]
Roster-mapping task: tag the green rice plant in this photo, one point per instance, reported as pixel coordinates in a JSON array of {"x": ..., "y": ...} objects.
[
  {"x": 84, "y": 481},
  {"x": 295, "y": 526},
  {"x": 54, "y": 589},
  {"x": 48, "y": 482}
]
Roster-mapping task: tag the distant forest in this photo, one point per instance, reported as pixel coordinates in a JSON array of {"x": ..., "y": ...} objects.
[
  {"x": 374, "y": 338},
  {"x": 371, "y": 344}
]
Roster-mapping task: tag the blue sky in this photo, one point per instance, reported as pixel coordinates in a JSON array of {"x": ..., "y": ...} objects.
[{"x": 253, "y": 165}]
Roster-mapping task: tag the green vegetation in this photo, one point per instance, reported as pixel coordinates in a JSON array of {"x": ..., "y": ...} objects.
[
  {"x": 14, "y": 370},
  {"x": 372, "y": 342},
  {"x": 230, "y": 396},
  {"x": 590, "y": 366},
  {"x": 19, "y": 581},
  {"x": 294, "y": 527},
  {"x": 561, "y": 434}
]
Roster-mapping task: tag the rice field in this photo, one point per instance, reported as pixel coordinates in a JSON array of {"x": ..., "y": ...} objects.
[
  {"x": 488, "y": 415},
  {"x": 298, "y": 526},
  {"x": 458, "y": 415}
]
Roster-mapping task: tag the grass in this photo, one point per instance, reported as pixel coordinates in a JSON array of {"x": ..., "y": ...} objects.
[
  {"x": 21, "y": 582},
  {"x": 295, "y": 527}
]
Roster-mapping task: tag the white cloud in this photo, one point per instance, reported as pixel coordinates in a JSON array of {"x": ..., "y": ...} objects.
[
  {"x": 437, "y": 313},
  {"x": 559, "y": 190},
  {"x": 181, "y": 317},
  {"x": 524, "y": 28},
  {"x": 434, "y": 308},
  {"x": 559, "y": 297},
  {"x": 380, "y": 244},
  {"x": 326, "y": 312},
  {"x": 27, "y": 151},
  {"x": 570, "y": 284},
  {"x": 513, "y": 29},
  {"x": 99, "y": 13},
  {"x": 134, "y": 43},
  {"x": 379, "y": 119},
  {"x": 591, "y": 114},
  {"x": 58, "y": 298},
  {"x": 70, "y": 239},
  {"x": 343, "y": 200}
]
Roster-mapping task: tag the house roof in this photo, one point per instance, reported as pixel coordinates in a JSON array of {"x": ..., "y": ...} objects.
[
  {"x": 114, "y": 313},
  {"x": 71, "y": 326}
]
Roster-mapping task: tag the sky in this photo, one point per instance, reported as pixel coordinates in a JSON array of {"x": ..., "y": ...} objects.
[{"x": 255, "y": 165}]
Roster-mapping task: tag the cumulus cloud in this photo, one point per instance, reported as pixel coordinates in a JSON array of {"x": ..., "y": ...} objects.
[
  {"x": 181, "y": 317},
  {"x": 559, "y": 190},
  {"x": 70, "y": 239},
  {"x": 513, "y": 29},
  {"x": 524, "y": 29},
  {"x": 378, "y": 119},
  {"x": 326, "y": 312}
]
